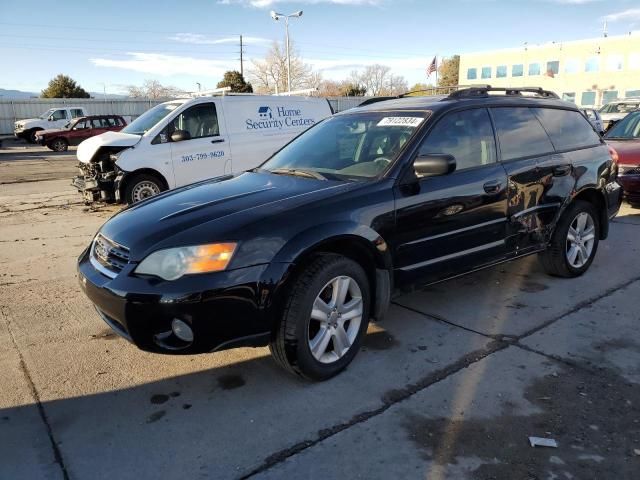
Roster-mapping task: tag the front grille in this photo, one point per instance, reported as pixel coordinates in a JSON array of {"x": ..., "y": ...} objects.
[
  {"x": 108, "y": 256},
  {"x": 628, "y": 170}
]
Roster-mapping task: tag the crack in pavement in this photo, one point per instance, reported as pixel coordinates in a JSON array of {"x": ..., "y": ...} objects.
[
  {"x": 499, "y": 342},
  {"x": 57, "y": 454}
]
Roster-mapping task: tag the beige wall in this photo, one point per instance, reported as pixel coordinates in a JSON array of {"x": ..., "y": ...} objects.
[{"x": 618, "y": 60}]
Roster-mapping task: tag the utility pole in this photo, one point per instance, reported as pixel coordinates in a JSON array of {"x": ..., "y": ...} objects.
[{"x": 241, "y": 63}]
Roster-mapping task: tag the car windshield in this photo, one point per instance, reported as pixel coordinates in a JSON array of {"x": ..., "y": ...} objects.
[
  {"x": 150, "y": 118},
  {"x": 347, "y": 147},
  {"x": 628, "y": 128},
  {"x": 619, "y": 107},
  {"x": 47, "y": 114}
]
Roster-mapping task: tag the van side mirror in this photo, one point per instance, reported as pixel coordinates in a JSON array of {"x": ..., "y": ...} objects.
[
  {"x": 431, "y": 165},
  {"x": 180, "y": 135},
  {"x": 50, "y": 118}
]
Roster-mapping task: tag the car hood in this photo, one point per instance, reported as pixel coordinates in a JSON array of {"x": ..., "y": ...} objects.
[
  {"x": 607, "y": 117},
  {"x": 628, "y": 151},
  {"x": 88, "y": 148},
  {"x": 219, "y": 209}
]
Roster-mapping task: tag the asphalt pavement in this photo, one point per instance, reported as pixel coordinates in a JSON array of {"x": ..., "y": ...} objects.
[{"x": 450, "y": 385}]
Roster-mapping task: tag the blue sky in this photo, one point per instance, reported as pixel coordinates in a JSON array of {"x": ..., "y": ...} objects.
[{"x": 113, "y": 43}]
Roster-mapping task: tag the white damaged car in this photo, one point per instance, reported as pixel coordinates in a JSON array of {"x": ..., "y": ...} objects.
[{"x": 184, "y": 141}]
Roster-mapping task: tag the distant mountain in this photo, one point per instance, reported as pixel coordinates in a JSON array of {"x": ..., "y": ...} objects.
[
  {"x": 19, "y": 94},
  {"x": 11, "y": 94}
]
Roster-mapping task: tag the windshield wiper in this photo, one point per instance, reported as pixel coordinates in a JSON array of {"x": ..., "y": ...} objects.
[{"x": 298, "y": 172}]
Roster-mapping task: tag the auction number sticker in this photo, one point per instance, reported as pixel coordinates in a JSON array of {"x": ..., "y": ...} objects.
[{"x": 400, "y": 122}]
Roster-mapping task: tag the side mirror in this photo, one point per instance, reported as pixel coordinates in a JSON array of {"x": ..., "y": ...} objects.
[
  {"x": 50, "y": 118},
  {"x": 180, "y": 135},
  {"x": 431, "y": 165}
]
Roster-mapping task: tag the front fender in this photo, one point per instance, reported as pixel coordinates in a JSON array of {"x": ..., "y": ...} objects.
[{"x": 313, "y": 238}]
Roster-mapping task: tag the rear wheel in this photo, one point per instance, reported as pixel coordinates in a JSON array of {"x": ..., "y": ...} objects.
[
  {"x": 142, "y": 186},
  {"x": 574, "y": 242},
  {"x": 59, "y": 145},
  {"x": 324, "y": 318}
]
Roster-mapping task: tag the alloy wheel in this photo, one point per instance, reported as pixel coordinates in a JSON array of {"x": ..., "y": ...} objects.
[
  {"x": 335, "y": 319},
  {"x": 580, "y": 240}
]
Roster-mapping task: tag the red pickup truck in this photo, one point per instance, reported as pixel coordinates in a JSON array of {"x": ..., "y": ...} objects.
[{"x": 78, "y": 130}]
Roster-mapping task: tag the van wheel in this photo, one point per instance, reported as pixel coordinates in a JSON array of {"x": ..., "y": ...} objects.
[
  {"x": 574, "y": 242},
  {"x": 142, "y": 186},
  {"x": 59, "y": 145},
  {"x": 324, "y": 318}
]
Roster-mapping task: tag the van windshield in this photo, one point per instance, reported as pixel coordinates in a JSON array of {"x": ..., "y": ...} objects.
[
  {"x": 150, "y": 118},
  {"x": 353, "y": 146}
]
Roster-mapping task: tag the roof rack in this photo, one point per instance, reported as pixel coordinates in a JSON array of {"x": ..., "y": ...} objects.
[{"x": 483, "y": 91}]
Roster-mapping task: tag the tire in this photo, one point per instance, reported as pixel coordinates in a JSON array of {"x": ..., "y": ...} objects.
[
  {"x": 291, "y": 340},
  {"x": 142, "y": 186},
  {"x": 31, "y": 136},
  {"x": 564, "y": 257},
  {"x": 59, "y": 145}
]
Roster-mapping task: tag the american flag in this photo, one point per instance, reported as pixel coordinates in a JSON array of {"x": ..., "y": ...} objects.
[{"x": 432, "y": 67}]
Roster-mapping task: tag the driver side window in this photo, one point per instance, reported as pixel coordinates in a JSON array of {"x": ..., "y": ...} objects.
[
  {"x": 466, "y": 135},
  {"x": 200, "y": 121},
  {"x": 60, "y": 115}
]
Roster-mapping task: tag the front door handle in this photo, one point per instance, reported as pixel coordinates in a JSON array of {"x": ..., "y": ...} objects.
[
  {"x": 492, "y": 187},
  {"x": 561, "y": 170},
  {"x": 217, "y": 140}
]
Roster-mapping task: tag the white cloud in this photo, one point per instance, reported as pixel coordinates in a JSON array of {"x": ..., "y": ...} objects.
[
  {"x": 629, "y": 15},
  {"x": 199, "y": 39},
  {"x": 270, "y": 3},
  {"x": 576, "y": 2},
  {"x": 165, "y": 65}
]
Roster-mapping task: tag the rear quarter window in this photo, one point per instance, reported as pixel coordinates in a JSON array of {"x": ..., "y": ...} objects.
[
  {"x": 568, "y": 129},
  {"x": 520, "y": 133}
]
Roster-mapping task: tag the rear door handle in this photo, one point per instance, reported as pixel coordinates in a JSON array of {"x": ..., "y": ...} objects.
[
  {"x": 217, "y": 140},
  {"x": 492, "y": 187},
  {"x": 561, "y": 171}
]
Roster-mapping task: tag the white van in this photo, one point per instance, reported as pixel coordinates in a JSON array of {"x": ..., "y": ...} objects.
[{"x": 183, "y": 141}]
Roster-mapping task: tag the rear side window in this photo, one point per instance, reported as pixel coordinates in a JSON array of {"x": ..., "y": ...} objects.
[
  {"x": 466, "y": 135},
  {"x": 568, "y": 129},
  {"x": 520, "y": 133},
  {"x": 76, "y": 112}
]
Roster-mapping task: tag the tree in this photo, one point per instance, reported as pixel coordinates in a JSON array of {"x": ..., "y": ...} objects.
[
  {"x": 236, "y": 81},
  {"x": 270, "y": 74},
  {"x": 378, "y": 80},
  {"x": 354, "y": 90},
  {"x": 63, "y": 86},
  {"x": 448, "y": 71},
  {"x": 153, "y": 89},
  {"x": 422, "y": 89}
]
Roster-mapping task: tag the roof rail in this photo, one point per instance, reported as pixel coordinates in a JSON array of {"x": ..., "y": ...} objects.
[{"x": 483, "y": 91}]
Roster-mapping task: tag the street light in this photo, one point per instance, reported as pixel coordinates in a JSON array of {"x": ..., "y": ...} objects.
[{"x": 277, "y": 16}]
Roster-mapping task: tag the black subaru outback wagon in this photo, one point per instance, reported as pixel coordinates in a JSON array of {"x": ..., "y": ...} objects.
[{"x": 301, "y": 252}]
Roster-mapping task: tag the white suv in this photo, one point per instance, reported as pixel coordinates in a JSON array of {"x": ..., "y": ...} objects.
[{"x": 615, "y": 111}]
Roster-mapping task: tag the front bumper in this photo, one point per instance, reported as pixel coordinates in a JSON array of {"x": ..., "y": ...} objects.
[
  {"x": 631, "y": 186},
  {"x": 224, "y": 309}
]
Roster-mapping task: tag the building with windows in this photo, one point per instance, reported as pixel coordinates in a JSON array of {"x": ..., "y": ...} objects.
[{"x": 589, "y": 72}]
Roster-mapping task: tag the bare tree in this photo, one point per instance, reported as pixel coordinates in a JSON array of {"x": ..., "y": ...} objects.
[
  {"x": 270, "y": 75},
  {"x": 153, "y": 89},
  {"x": 378, "y": 80}
]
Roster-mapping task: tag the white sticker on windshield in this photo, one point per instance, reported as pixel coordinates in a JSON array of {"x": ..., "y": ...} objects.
[{"x": 400, "y": 122}]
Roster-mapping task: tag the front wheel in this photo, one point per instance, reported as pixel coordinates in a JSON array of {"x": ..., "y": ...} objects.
[
  {"x": 574, "y": 242},
  {"x": 324, "y": 318},
  {"x": 142, "y": 186},
  {"x": 31, "y": 136}
]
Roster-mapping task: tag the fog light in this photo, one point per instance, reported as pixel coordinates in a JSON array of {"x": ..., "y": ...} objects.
[{"x": 182, "y": 330}]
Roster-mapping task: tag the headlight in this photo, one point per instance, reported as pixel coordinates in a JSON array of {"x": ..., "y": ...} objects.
[{"x": 173, "y": 263}]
